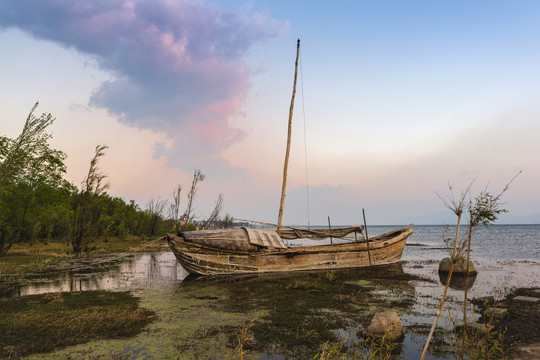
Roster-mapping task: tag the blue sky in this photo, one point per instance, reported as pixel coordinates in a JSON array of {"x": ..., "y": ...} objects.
[{"x": 398, "y": 99}]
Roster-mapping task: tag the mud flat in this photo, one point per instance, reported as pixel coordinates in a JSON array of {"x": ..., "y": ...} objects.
[
  {"x": 519, "y": 316},
  {"x": 287, "y": 316}
]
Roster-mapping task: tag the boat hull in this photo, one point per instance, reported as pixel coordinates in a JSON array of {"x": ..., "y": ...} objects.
[{"x": 202, "y": 260}]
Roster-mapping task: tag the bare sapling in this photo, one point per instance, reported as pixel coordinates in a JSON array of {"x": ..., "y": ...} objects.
[
  {"x": 484, "y": 210},
  {"x": 212, "y": 220},
  {"x": 198, "y": 176},
  {"x": 174, "y": 208},
  {"x": 457, "y": 206},
  {"x": 155, "y": 208}
]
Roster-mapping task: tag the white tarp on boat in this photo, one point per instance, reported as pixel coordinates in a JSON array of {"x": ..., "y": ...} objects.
[{"x": 265, "y": 238}]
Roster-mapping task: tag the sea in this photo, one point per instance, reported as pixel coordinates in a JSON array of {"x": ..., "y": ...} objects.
[{"x": 495, "y": 242}]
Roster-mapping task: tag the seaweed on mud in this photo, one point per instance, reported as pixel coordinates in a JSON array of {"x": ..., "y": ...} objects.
[
  {"x": 40, "y": 323},
  {"x": 304, "y": 310}
]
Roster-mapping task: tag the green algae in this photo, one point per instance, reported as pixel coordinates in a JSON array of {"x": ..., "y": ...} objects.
[
  {"x": 185, "y": 327},
  {"x": 362, "y": 283},
  {"x": 39, "y": 323}
]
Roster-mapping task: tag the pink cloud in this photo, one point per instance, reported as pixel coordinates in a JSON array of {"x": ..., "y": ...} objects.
[
  {"x": 216, "y": 129},
  {"x": 176, "y": 66}
]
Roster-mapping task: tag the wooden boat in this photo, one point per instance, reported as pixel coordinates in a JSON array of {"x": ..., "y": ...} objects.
[
  {"x": 198, "y": 252},
  {"x": 248, "y": 250}
]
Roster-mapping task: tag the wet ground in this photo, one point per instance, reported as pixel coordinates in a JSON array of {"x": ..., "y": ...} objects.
[{"x": 293, "y": 315}]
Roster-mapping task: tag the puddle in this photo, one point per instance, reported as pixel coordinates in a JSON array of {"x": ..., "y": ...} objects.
[{"x": 137, "y": 271}]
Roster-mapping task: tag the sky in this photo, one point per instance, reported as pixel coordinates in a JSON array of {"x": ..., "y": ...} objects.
[{"x": 395, "y": 101}]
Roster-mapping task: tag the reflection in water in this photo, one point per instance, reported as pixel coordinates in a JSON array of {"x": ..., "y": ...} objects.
[
  {"x": 392, "y": 271},
  {"x": 136, "y": 272},
  {"x": 458, "y": 281}
]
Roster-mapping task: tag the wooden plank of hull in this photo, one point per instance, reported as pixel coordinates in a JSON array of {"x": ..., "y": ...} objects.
[
  {"x": 199, "y": 260},
  {"x": 199, "y": 265}
]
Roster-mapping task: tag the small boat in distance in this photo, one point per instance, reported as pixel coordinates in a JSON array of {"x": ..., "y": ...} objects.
[{"x": 246, "y": 250}]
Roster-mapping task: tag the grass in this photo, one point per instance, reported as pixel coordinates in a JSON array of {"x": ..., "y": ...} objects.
[
  {"x": 303, "y": 311},
  {"x": 294, "y": 304},
  {"x": 41, "y": 323},
  {"x": 40, "y": 257}
]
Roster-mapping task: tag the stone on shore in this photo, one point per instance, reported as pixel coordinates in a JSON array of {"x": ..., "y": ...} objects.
[
  {"x": 386, "y": 323},
  {"x": 460, "y": 267},
  {"x": 458, "y": 281},
  {"x": 527, "y": 298}
]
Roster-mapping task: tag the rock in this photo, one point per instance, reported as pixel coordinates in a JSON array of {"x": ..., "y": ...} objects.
[
  {"x": 385, "y": 323},
  {"x": 527, "y": 298},
  {"x": 460, "y": 267},
  {"x": 458, "y": 281}
]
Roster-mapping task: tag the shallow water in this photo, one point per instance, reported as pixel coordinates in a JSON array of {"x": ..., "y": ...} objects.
[
  {"x": 139, "y": 271},
  {"x": 186, "y": 309}
]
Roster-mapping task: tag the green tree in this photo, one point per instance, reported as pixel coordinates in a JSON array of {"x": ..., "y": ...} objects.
[
  {"x": 86, "y": 211},
  {"x": 135, "y": 218},
  {"x": 27, "y": 164}
]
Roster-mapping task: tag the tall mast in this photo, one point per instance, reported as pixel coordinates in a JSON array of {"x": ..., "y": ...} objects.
[{"x": 286, "y": 165}]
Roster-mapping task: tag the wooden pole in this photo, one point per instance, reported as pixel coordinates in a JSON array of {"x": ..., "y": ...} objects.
[
  {"x": 428, "y": 340},
  {"x": 330, "y": 228},
  {"x": 367, "y": 238},
  {"x": 286, "y": 165}
]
